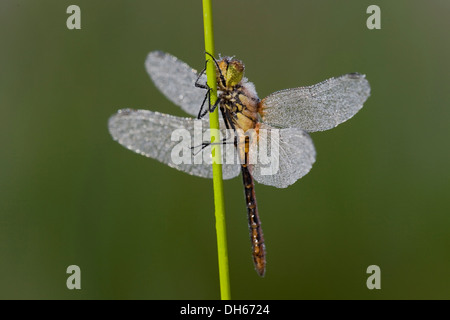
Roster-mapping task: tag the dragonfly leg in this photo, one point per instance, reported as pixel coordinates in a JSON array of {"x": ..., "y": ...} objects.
[
  {"x": 206, "y": 144},
  {"x": 211, "y": 109},
  {"x": 225, "y": 141},
  {"x": 201, "y": 112},
  {"x": 222, "y": 78},
  {"x": 199, "y": 85}
]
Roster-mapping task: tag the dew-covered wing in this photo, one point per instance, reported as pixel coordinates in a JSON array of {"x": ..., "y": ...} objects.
[
  {"x": 168, "y": 139},
  {"x": 319, "y": 107},
  {"x": 176, "y": 80},
  {"x": 284, "y": 156}
]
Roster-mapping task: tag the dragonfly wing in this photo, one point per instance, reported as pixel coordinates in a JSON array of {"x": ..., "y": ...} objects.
[
  {"x": 176, "y": 80},
  {"x": 168, "y": 139},
  {"x": 284, "y": 156},
  {"x": 319, "y": 107}
]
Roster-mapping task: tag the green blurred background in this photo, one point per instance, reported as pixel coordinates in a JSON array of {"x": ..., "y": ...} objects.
[{"x": 378, "y": 193}]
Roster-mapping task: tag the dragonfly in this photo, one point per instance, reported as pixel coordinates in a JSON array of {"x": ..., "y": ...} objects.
[{"x": 288, "y": 115}]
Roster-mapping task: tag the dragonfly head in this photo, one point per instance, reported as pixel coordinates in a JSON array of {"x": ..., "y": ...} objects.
[{"x": 232, "y": 71}]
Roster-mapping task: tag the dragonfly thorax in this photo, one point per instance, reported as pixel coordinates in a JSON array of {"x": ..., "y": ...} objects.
[{"x": 238, "y": 98}]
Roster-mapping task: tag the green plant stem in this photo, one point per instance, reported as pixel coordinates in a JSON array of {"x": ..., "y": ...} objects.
[{"x": 219, "y": 202}]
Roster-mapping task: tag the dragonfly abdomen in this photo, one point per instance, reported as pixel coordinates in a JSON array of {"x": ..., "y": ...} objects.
[{"x": 256, "y": 234}]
